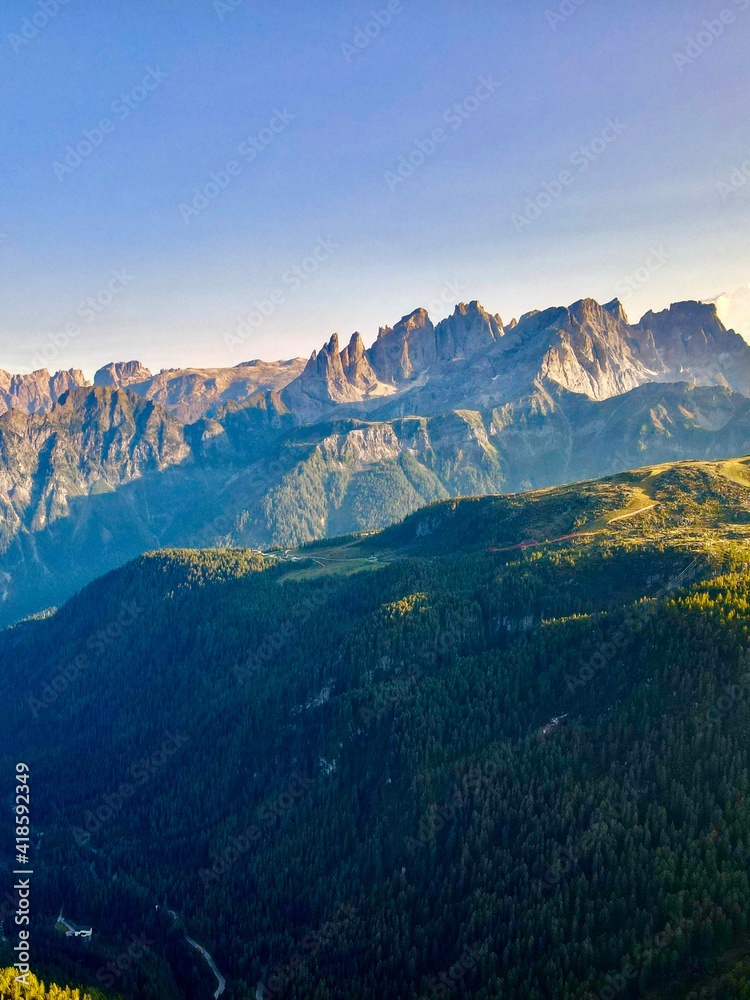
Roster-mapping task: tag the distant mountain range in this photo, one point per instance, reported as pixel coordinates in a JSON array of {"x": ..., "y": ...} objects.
[{"x": 282, "y": 453}]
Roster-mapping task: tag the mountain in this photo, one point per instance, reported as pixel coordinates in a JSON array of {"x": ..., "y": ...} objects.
[
  {"x": 255, "y": 478},
  {"x": 694, "y": 345},
  {"x": 192, "y": 393},
  {"x": 121, "y": 374},
  {"x": 284, "y": 453},
  {"x": 91, "y": 442},
  {"x": 399, "y": 359},
  {"x": 332, "y": 377},
  {"x": 37, "y": 392},
  {"x": 468, "y": 360},
  {"x": 471, "y": 361},
  {"x": 500, "y": 748}
]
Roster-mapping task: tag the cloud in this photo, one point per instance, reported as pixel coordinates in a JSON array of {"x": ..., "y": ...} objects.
[{"x": 734, "y": 310}]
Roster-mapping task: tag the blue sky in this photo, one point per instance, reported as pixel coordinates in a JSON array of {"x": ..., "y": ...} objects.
[{"x": 171, "y": 169}]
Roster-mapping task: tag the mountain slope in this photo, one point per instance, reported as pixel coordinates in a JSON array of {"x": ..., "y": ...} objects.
[
  {"x": 586, "y": 348},
  {"x": 92, "y": 441},
  {"x": 694, "y": 345},
  {"x": 524, "y": 757},
  {"x": 470, "y": 361},
  {"x": 37, "y": 392},
  {"x": 95, "y": 500},
  {"x": 283, "y": 453}
]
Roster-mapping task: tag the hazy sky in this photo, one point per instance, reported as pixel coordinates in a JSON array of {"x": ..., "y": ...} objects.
[{"x": 116, "y": 116}]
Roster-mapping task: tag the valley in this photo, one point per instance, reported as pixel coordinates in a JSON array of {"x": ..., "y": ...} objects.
[
  {"x": 277, "y": 455},
  {"x": 386, "y": 704},
  {"x": 374, "y": 585}
]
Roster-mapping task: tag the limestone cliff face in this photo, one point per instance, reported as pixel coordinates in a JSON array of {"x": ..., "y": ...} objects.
[
  {"x": 192, "y": 393},
  {"x": 37, "y": 392},
  {"x": 414, "y": 345},
  {"x": 356, "y": 365},
  {"x": 402, "y": 351},
  {"x": 468, "y": 331},
  {"x": 330, "y": 378},
  {"x": 471, "y": 360},
  {"x": 93, "y": 441},
  {"x": 694, "y": 345},
  {"x": 468, "y": 359},
  {"x": 402, "y": 356},
  {"x": 122, "y": 373},
  {"x": 592, "y": 351}
]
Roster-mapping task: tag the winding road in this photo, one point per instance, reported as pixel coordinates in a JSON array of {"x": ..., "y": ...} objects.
[
  {"x": 211, "y": 964},
  {"x": 209, "y": 960}
]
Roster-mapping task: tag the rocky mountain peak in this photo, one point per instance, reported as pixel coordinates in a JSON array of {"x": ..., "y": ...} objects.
[
  {"x": 469, "y": 330},
  {"x": 122, "y": 373},
  {"x": 400, "y": 352},
  {"x": 356, "y": 365},
  {"x": 355, "y": 348},
  {"x": 585, "y": 348},
  {"x": 616, "y": 309},
  {"x": 331, "y": 376},
  {"x": 681, "y": 315},
  {"x": 38, "y": 391},
  {"x": 332, "y": 347},
  {"x": 695, "y": 346},
  {"x": 589, "y": 311},
  {"x": 416, "y": 320}
]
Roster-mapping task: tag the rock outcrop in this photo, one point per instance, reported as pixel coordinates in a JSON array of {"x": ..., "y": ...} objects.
[
  {"x": 192, "y": 393},
  {"x": 694, "y": 345},
  {"x": 93, "y": 440},
  {"x": 120, "y": 374},
  {"x": 38, "y": 391}
]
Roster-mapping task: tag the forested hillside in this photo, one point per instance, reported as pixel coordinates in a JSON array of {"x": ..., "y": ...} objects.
[
  {"x": 500, "y": 750},
  {"x": 34, "y": 989}
]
